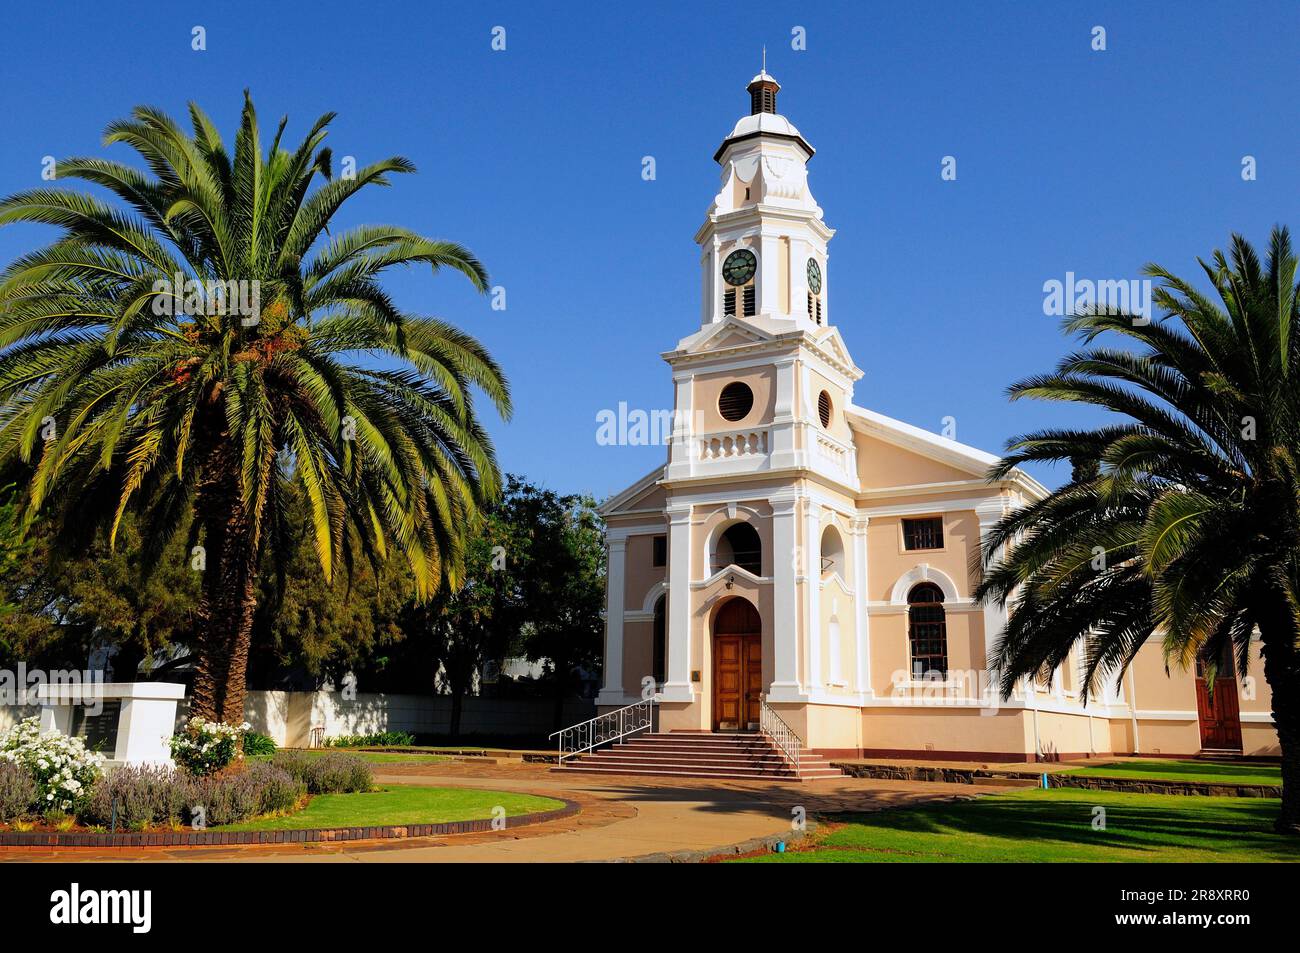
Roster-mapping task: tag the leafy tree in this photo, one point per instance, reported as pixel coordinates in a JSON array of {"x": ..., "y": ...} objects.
[
  {"x": 463, "y": 629},
  {"x": 560, "y": 564},
  {"x": 14, "y": 547},
  {"x": 1191, "y": 499},
  {"x": 319, "y": 626},
  {"x": 191, "y": 349},
  {"x": 65, "y": 605}
]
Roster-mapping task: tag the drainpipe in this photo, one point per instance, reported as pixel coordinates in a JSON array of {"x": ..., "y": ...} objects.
[{"x": 1133, "y": 710}]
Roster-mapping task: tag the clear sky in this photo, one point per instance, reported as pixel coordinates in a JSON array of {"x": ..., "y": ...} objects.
[{"x": 1067, "y": 160}]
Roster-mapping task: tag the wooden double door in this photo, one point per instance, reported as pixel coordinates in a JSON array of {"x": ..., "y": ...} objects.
[
  {"x": 737, "y": 667},
  {"x": 1219, "y": 714}
]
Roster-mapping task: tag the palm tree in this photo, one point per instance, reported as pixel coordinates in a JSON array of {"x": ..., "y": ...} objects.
[
  {"x": 1181, "y": 518},
  {"x": 195, "y": 352}
]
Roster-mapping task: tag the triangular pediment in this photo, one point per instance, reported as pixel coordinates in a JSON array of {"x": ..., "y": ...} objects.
[
  {"x": 731, "y": 331},
  {"x": 830, "y": 341},
  {"x": 645, "y": 493}
]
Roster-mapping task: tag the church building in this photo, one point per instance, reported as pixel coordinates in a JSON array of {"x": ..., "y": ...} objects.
[{"x": 803, "y": 557}]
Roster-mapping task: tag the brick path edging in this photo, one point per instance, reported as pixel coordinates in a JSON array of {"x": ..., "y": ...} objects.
[{"x": 250, "y": 838}]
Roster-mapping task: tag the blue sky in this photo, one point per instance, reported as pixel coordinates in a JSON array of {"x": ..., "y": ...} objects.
[{"x": 1067, "y": 160}]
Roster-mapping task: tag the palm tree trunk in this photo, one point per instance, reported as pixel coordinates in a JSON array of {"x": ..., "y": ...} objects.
[
  {"x": 457, "y": 703},
  {"x": 229, "y": 597},
  {"x": 1282, "y": 670}
]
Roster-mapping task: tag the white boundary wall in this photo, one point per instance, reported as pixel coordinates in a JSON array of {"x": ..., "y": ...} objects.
[{"x": 288, "y": 717}]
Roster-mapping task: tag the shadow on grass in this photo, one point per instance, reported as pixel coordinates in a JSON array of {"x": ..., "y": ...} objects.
[{"x": 1053, "y": 823}]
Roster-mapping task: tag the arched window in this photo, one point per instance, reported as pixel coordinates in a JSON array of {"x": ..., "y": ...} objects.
[
  {"x": 927, "y": 631},
  {"x": 739, "y": 546},
  {"x": 659, "y": 653},
  {"x": 832, "y": 551}
]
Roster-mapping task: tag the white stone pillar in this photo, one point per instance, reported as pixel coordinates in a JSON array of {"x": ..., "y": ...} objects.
[
  {"x": 769, "y": 264},
  {"x": 781, "y": 439},
  {"x": 678, "y": 687},
  {"x": 682, "y": 450},
  {"x": 713, "y": 284},
  {"x": 612, "y": 691},
  {"x": 995, "y": 616},
  {"x": 785, "y": 604},
  {"x": 862, "y": 620},
  {"x": 812, "y": 568}
]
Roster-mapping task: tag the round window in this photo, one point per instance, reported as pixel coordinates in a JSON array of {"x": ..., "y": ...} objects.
[
  {"x": 824, "y": 408},
  {"x": 736, "y": 401}
]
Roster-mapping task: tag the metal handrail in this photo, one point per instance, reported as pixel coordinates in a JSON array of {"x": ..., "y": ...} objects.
[
  {"x": 781, "y": 734},
  {"x": 605, "y": 729}
]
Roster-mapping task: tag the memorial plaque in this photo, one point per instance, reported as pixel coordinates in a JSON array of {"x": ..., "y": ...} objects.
[{"x": 99, "y": 731}]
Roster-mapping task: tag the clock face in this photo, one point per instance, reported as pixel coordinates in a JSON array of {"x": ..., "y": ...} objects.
[
  {"x": 739, "y": 266},
  {"x": 814, "y": 276}
]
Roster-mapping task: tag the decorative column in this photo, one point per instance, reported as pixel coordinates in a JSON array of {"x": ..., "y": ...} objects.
[
  {"x": 995, "y": 616},
  {"x": 862, "y": 620},
  {"x": 785, "y": 604},
  {"x": 678, "y": 687},
  {"x": 612, "y": 691},
  {"x": 812, "y": 568},
  {"x": 681, "y": 449},
  {"x": 769, "y": 264},
  {"x": 781, "y": 438}
]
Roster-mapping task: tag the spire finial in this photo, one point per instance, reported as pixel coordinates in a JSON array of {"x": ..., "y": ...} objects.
[{"x": 764, "y": 57}]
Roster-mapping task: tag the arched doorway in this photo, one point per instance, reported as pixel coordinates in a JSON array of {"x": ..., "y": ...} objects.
[{"x": 737, "y": 666}]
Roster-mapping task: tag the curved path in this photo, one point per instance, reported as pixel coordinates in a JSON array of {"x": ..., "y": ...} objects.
[{"x": 621, "y": 818}]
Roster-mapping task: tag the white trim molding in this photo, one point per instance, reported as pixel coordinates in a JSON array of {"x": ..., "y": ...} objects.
[{"x": 923, "y": 572}]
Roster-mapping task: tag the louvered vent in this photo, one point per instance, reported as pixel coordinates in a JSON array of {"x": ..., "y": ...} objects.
[
  {"x": 729, "y": 302},
  {"x": 824, "y": 408},
  {"x": 736, "y": 401},
  {"x": 749, "y": 301}
]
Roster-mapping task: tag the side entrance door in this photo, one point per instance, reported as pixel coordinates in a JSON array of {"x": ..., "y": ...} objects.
[
  {"x": 737, "y": 681},
  {"x": 737, "y": 667},
  {"x": 1219, "y": 714}
]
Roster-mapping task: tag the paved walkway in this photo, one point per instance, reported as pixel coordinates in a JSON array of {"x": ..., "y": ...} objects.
[{"x": 621, "y": 817}]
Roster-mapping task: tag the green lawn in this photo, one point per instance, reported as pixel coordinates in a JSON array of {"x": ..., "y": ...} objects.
[
  {"x": 1199, "y": 771},
  {"x": 399, "y": 805},
  {"x": 1056, "y": 826}
]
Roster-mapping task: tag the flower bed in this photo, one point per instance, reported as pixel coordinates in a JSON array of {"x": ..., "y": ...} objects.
[{"x": 49, "y": 783}]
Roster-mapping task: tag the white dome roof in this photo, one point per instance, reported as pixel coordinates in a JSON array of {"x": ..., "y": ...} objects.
[
  {"x": 764, "y": 122},
  {"x": 764, "y": 76}
]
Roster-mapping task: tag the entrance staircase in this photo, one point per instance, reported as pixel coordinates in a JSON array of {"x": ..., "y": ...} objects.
[{"x": 739, "y": 757}]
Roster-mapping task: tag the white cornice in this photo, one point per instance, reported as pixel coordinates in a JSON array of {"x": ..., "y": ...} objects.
[{"x": 632, "y": 492}]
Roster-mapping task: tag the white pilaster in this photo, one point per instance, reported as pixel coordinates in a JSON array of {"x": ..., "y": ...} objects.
[
  {"x": 995, "y": 616},
  {"x": 678, "y": 687},
  {"x": 785, "y": 605},
  {"x": 783, "y": 415},
  {"x": 812, "y": 568},
  {"x": 612, "y": 691},
  {"x": 680, "y": 452},
  {"x": 862, "y": 620},
  {"x": 769, "y": 265}
]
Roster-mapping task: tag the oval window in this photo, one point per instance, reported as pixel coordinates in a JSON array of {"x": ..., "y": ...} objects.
[
  {"x": 736, "y": 401},
  {"x": 824, "y": 408}
]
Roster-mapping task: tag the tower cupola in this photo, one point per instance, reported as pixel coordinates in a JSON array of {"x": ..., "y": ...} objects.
[
  {"x": 763, "y": 243},
  {"x": 762, "y": 93}
]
